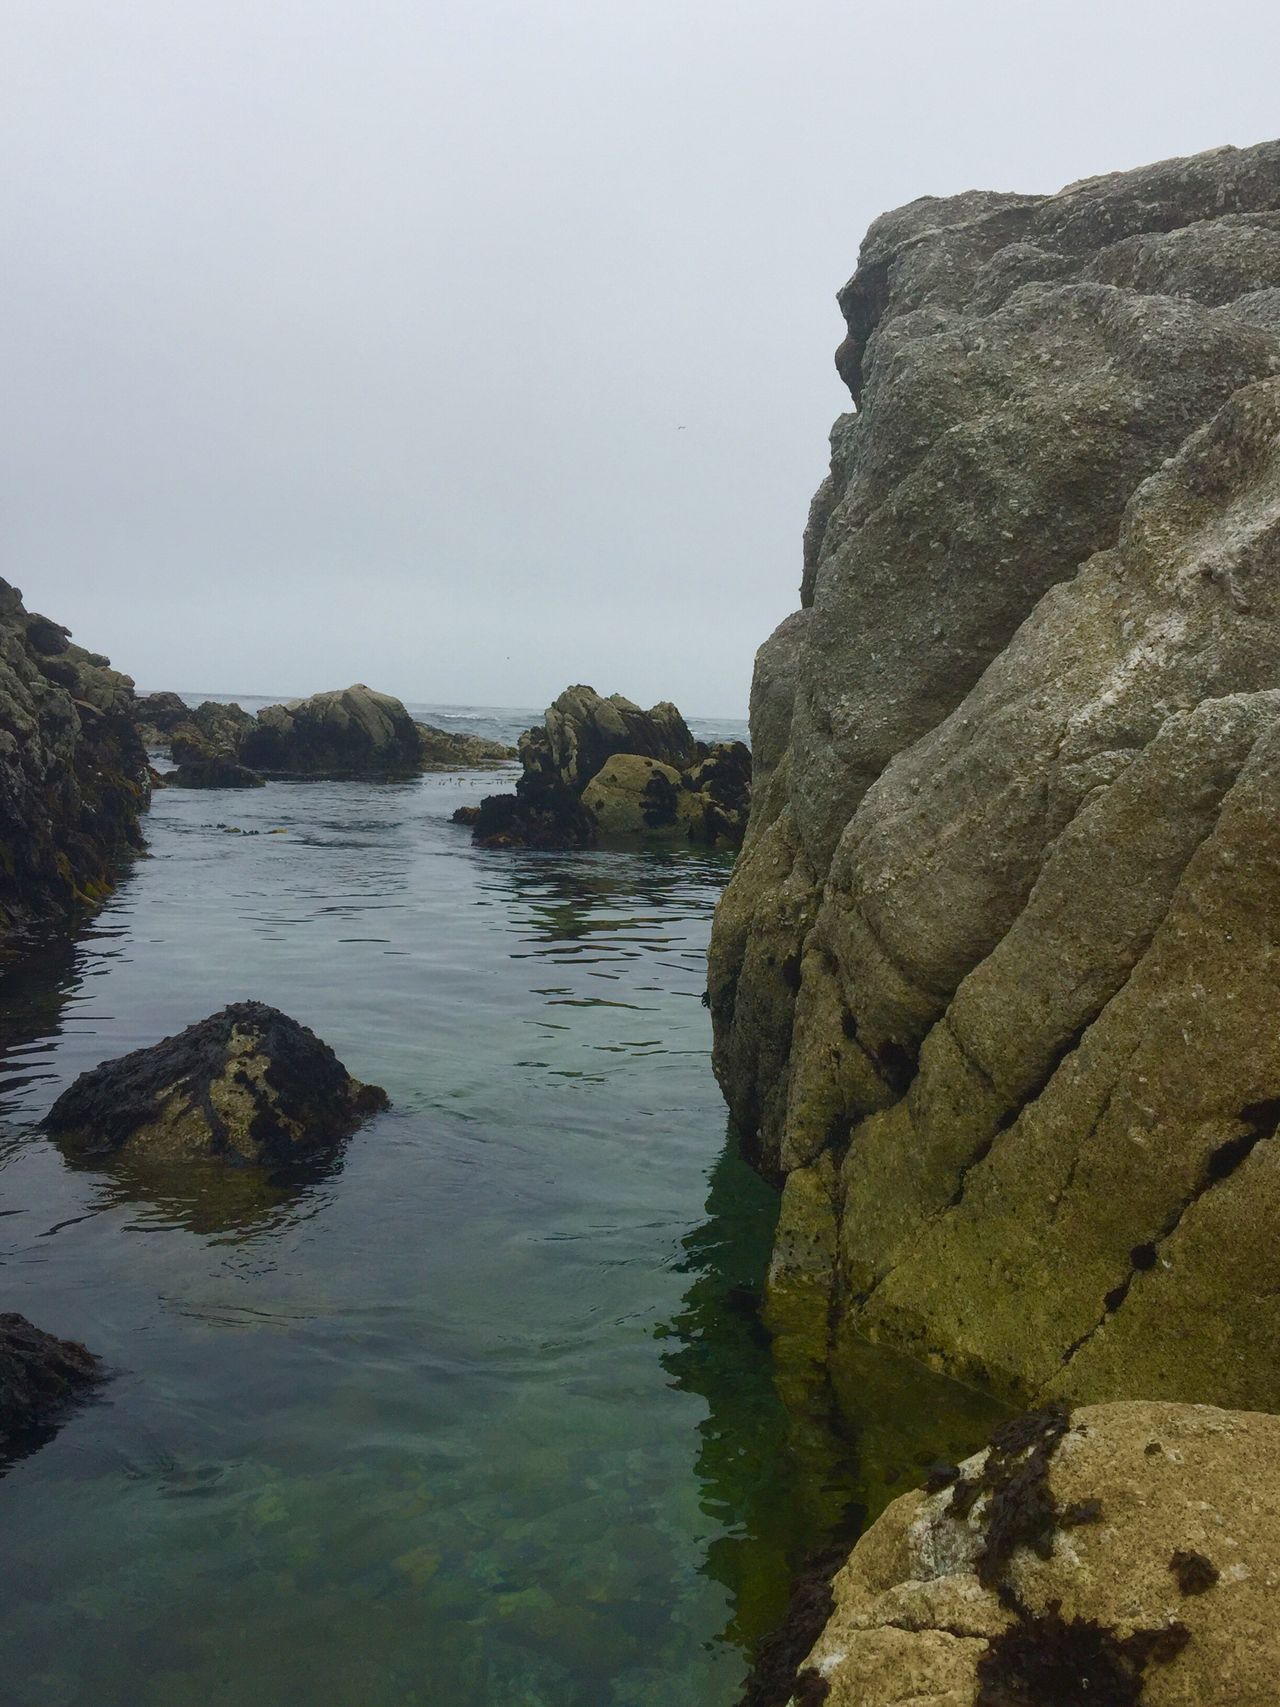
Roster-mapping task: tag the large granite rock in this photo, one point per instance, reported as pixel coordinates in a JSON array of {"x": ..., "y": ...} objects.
[
  {"x": 581, "y": 730},
  {"x": 603, "y": 769},
  {"x": 73, "y": 773},
  {"x": 347, "y": 732},
  {"x": 1127, "y": 1553},
  {"x": 248, "y": 1084},
  {"x": 41, "y": 1380},
  {"x": 994, "y": 981}
]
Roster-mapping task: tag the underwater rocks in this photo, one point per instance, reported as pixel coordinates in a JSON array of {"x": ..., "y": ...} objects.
[
  {"x": 73, "y": 774},
  {"x": 248, "y": 1084},
  {"x": 602, "y": 768},
  {"x": 1052, "y": 1569},
  {"x": 41, "y": 1379},
  {"x": 993, "y": 981}
]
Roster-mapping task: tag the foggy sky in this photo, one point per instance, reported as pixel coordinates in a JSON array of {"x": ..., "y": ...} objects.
[{"x": 474, "y": 348}]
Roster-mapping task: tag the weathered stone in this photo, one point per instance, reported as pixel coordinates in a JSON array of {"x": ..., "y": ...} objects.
[
  {"x": 73, "y": 774},
  {"x": 634, "y": 796},
  {"x": 582, "y": 730},
  {"x": 445, "y": 749},
  {"x": 248, "y": 1084},
  {"x": 542, "y": 813},
  {"x": 157, "y": 715},
  {"x": 41, "y": 1380},
  {"x": 347, "y": 732},
  {"x": 1051, "y": 1570},
  {"x": 1001, "y": 944}
]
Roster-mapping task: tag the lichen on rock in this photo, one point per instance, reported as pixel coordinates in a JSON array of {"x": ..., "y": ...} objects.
[{"x": 996, "y": 964}]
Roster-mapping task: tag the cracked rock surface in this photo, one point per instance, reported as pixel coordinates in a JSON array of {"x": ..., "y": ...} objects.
[
  {"x": 1107, "y": 1610},
  {"x": 996, "y": 982}
]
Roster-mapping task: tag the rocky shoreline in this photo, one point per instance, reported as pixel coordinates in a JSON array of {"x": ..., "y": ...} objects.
[{"x": 993, "y": 981}]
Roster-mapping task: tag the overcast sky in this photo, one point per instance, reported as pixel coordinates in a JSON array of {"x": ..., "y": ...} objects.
[{"x": 475, "y": 347}]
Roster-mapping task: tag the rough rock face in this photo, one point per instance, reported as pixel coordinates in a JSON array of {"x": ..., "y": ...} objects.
[
  {"x": 248, "y": 1084},
  {"x": 347, "y": 732},
  {"x": 73, "y": 775},
  {"x": 1126, "y": 1554},
  {"x": 581, "y": 730},
  {"x": 994, "y": 980},
  {"x": 157, "y": 715},
  {"x": 604, "y": 768},
  {"x": 41, "y": 1379},
  {"x": 216, "y": 770},
  {"x": 445, "y": 749}
]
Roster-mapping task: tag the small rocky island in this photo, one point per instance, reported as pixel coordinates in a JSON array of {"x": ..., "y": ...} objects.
[
  {"x": 344, "y": 733},
  {"x": 602, "y": 769}
]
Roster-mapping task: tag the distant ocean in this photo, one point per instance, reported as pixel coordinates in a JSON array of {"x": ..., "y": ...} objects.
[{"x": 505, "y": 723}]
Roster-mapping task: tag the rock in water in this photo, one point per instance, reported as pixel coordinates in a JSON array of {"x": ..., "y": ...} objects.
[
  {"x": 73, "y": 773},
  {"x": 348, "y": 732},
  {"x": 41, "y": 1379},
  {"x": 157, "y": 715},
  {"x": 248, "y": 1084},
  {"x": 994, "y": 980},
  {"x": 581, "y": 730},
  {"x": 604, "y": 768},
  {"x": 445, "y": 749},
  {"x": 1125, "y": 1554}
]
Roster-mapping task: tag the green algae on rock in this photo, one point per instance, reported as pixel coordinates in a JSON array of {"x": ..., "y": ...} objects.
[
  {"x": 248, "y": 1084},
  {"x": 994, "y": 979},
  {"x": 73, "y": 774}
]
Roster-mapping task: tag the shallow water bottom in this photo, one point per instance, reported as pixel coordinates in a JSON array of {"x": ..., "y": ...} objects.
[{"x": 484, "y": 1411}]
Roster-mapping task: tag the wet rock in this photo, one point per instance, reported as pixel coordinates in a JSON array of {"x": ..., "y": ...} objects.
[
  {"x": 542, "y": 813},
  {"x": 604, "y": 768},
  {"x": 248, "y": 1084},
  {"x": 73, "y": 774},
  {"x": 991, "y": 982},
  {"x": 1078, "y": 1614},
  {"x": 215, "y": 771},
  {"x": 41, "y": 1380}
]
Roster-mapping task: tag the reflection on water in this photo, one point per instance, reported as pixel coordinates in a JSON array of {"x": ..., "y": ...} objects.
[{"x": 484, "y": 1411}]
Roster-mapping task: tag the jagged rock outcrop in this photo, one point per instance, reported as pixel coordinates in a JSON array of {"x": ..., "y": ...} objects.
[
  {"x": 448, "y": 749},
  {"x": 994, "y": 981},
  {"x": 73, "y": 774},
  {"x": 603, "y": 768},
  {"x": 248, "y": 1084},
  {"x": 41, "y": 1379},
  {"x": 581, "y": 730},
  {"x": 1127, "y": 1553}
]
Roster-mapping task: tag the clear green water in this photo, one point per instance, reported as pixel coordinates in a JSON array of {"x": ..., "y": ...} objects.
[{"x": 484, "y": 1414}]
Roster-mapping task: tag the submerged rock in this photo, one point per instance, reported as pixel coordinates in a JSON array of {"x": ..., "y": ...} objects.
[
  {"x": 993, "y": 981},
  {"x": 41, "y": 1380},
  {"x": 248, "y": 1084},
  {"x": 1052, "y": 1570},
  {"x": 73, "y": 773}
]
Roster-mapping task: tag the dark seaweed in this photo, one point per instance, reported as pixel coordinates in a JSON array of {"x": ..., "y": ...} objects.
[{"x": 1195, "y": 1574}]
